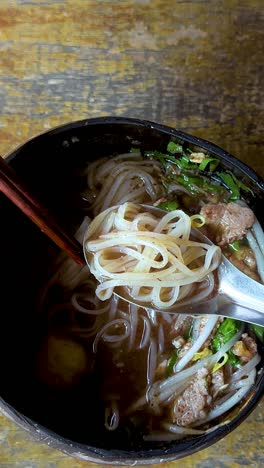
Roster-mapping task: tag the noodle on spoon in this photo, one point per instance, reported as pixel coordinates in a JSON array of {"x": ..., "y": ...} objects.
[{"x": 152, "y": 257}]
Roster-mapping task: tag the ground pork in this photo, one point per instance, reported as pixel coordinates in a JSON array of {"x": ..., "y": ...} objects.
[
  {"x": 245, "y": 349},
  {"x": 194, "y": 401},
  {"x": 184, "y": 349},
  {"x": 217, "y": 382},
  {"x": 226, "y": 223}
]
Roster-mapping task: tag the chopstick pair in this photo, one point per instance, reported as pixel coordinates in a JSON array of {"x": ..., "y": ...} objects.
[{"x": 16, "y": 191}]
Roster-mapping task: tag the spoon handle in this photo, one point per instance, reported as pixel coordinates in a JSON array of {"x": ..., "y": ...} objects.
[
  {"x": 246, "y": 293},
  {"x": 242, "y": 313}
]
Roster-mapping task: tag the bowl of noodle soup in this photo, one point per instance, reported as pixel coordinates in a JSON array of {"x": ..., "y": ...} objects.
[{"x": 91, "y": 375}]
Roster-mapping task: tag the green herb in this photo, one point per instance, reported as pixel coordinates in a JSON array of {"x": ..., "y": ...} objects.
[
  {"x": 212, "y": 162},
  {"x": 182, "y": 163},
  {"x": 233, "y": 359},
  {"x": 185, "y": 159},
  {"x": 135, "y": 150},
  {"x": 235, "y": 246},
  {"x": 171, "y": 362},
  {"x": 174, "y": 148},
  {"x": 194, "y": 183},
  {"x": 188, "y": 332},
  {"x": 231, "y": 185},
  {"x": 259, "y": 332},
  {"x": 212, "y": 188},
  {"x": 228, "y": 328},
  {"x": 241, "y": 185},
  {"x": 170, "y": 205}
]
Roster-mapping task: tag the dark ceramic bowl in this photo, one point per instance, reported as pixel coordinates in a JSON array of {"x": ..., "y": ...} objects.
[{"x": 48, "y": 163}]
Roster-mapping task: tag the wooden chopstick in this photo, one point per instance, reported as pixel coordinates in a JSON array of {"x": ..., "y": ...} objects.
[{"x": 15, "y": 190}]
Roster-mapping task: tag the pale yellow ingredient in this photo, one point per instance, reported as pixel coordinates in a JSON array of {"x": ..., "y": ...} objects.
[{"x": 61, "y": 362}]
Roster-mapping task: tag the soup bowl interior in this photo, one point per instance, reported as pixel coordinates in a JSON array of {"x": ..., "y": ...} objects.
[{"x": 50, "y": 164}]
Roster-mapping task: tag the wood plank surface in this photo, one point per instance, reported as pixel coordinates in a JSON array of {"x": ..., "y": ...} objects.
[{"x": 194, "y": 64}]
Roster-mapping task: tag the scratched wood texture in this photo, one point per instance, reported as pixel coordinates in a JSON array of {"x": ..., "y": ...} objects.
[{"x": 197, "y": 65}]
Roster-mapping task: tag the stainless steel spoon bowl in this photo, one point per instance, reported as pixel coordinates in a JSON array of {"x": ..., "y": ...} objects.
[{"x": 237, "y": 296}]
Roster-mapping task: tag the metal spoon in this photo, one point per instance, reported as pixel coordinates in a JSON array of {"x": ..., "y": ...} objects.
[{"x": 237, "y": 296}]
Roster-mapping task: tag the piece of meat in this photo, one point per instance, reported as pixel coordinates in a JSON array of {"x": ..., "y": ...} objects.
[
  {"x": 194, "y": 401},
  {"x": 218, "y": 381},
  {"x": 227, "y": 222},
  {"x": 246, "y": 348},
  {"x": 178, "y": 342},
  {"x": 208, "y": 341},
  {"x": 161, "y": 369},
  {"x": 250, "y": 343},
  {"x": 185, "y": 348},
  {"x": 180, "y": 326}
]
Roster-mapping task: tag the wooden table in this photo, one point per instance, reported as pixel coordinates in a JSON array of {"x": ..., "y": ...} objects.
[{"x": 193, "y": 64}]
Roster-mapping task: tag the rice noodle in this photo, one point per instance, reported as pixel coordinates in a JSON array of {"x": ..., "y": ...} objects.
[
  {"x": 112, "y": 416},
  {"x": 126, "y": 178},
  {"x": 152, "y": 315},
  {"x": 168, "y": 317},
  {"x": 229, "y": 403},
  {"x": 115, "y": 338},
  {"x": 151, "y": 362},
  {"x": 145, "y": 334},
  {"x": 74, "y": 300},
  {"x": 195, "y": 329},
  {"x": 190, "y": 372},
  {"x": 259, "y": 235},
  {"x": 161, "y": 339},
  {"x": 246, "y": 369},
  {"x": 258, "y": 254},
  {"x": 211, "y": 322},
  {"x": 182, "y": 430},
  {"x": 133, "y": 324},
  {"x": 113, "y": 308},
  {"x": 149, "y": 263}
]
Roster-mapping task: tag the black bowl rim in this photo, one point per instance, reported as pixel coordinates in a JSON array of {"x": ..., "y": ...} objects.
[{"x": 141, "y": 457}]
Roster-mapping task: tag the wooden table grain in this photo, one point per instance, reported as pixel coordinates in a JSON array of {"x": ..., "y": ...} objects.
[{"x": 193, "y": 64}]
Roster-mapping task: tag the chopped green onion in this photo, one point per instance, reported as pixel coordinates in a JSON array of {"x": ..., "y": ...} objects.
[
  {"x": 220, "y": 363},
  {"x": 213, "y": 163},
  {"x": 226, "y": 330},
  {"x": 259, "y": 332},
  {"x": 197, "y": 220},
  {"x": 235, "y": 246},
  {"x": 171, "y": 362},
  {"x": 174, "y": 148},
  {"x": 241, "y": 185},
  {"x": 182, "y": 163},
  {"x": 188, "y": 332},
  {"x": 169, "y": 205},
  {"x": 185, "y": 159},
  {"x": 233, "y": 359},
  {"x": 231, "y": 185},
  {"x": 194, "y": 183},
  {"x": 202, "y": 354}
]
